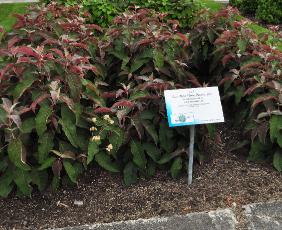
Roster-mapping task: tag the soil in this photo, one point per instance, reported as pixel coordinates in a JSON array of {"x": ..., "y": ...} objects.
[{"x": 227, "y": 180}]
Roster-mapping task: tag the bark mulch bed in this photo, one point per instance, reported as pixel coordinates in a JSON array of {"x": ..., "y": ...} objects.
[{"x": 227, "y": 180}]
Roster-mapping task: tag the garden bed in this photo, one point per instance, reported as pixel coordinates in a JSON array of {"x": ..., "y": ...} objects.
[{"x": 227, "y": 178}]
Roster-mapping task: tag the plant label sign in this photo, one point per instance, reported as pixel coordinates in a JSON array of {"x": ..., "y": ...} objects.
[{"x": 193, "y": 106}]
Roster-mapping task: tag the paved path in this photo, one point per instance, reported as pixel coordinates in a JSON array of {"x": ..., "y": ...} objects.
[{"x": 260, "y": 216}]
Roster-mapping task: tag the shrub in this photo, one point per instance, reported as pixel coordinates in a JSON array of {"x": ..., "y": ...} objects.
[
  {"x": 44, "y": 131},
  {"x": 248, "y": 69},
  {"x": 143, "y": 56},
  {"x": 72, "y": 95},
  {"x": 270, "y": 11},
  {"x": 103, "y": 11},
  {"x": 246, "y": 6}
]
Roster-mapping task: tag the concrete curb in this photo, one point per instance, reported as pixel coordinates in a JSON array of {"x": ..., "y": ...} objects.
[
  {"x": 223, "y": 219},
  {"x": 259, "y": 216}
]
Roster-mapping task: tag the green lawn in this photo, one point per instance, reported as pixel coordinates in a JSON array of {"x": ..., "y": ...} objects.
[
  {"x": 214, "y": 6},
  {"x": 7, "y": 19}
]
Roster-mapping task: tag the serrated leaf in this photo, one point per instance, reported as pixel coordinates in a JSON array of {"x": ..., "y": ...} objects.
[
  {"x": 68, "y": 125},
  {"x": 139, "y": 157},
  {"x": 105, "y": 161},
  {"x": 152, "y": 151},
  {"x": 47, "y": 163},
  {"x": 22, "y": 86},
  {"x": 116, "y": 139},
  {"x": 23, "y": 179},
  {"x": 42, "y": 118},
  {"x": 27, "y": 125},
  {"x": 176, "y": 167},
  {"x": 45, "y": 145},
  {"x": 277, "y": 160},
  {"x": 75, "y": 86},
  {"x": 16, "y": 154},
  {"x": 149, "y": 127},
  {"x": 130, "y": 174},
  {"x": 71, "y": 171},
  {"x": 70, "y": 131},
  {"x": 93, "y": 149},
  {"x": 158, "y": 58}
]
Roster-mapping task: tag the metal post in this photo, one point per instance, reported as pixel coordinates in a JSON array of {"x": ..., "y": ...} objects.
[{"x": 191, "y": 154}]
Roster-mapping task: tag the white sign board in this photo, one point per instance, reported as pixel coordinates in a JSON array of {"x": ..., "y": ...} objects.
[{"x": 193, "y": 106}]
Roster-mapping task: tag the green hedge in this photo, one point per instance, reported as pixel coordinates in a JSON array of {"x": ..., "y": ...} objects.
[
  {"x": 269, "y": 11},
  {"x": 103, "y": 11}
]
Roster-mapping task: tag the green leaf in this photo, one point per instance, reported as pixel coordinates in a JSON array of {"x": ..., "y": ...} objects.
[
  {"x": 139, "y": 157},
  {"x": 93, "y": 149},
  {"x": 6, "y": 185},
  {"x": 242, "y": 45},
  {"x": 71, "y": 171},
  {"x": 23, "y": 179},
  {"x": 166, "y": 138},
  {"x": 238, "y": 93},
  {"x": 75, "y": 86},
  {"x": 82, "y": 139},
  {"x": 137, "y": 63},
  {"x": 47, "y": 163},
  {"x": 151, "y": 130},
  {"x": 137, "y": 95},
  {"x": 211, "y": 129},
  {"x": 105, "y": 161},
  {"x": 3, "y": 164},
  {"x": 45, "y": 145},
  {"x": 68, "y": 125},
  {"x": 16, "y": 154},
  {"x": 27, "y": 125},
  {"x": 176, "y": 167},
  {"x": 78, "y": 109},
  {"x": 257, "y": 151},
  {"x": 42, "y": 118},
  {"x": 55, "y": 183},
  {"x": 116, "y": 139},
  {"x": 147, "y": 115},
  {"x": 151, "y": 168},
  {"x": 158, "y": 58},
  {"x": 22, "y": 86},
  {"x": 130, "y": 174},
  {"x": 275, "y": 125},
  {"x": 3, "y": 116},
  {"x": 39, "y": 178},
  {"x": 277, "y": 160},
  {"x": 69, "y": 129},
  {"x": 152, "y": 151}
]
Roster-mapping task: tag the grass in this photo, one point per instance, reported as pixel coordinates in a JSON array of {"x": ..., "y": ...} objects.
[
  {"x": 7, "y": 20},
  {"x": 214, "y": 6}
]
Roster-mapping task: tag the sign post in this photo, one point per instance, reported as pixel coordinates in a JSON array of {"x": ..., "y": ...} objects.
[{"x": 190, "y": 107}]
